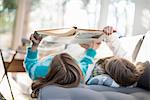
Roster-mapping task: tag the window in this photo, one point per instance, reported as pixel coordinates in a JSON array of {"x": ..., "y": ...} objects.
[
  {"x": 7, "y": 18},
  {"x": 64, "y": 13},
  {"x": 121, "y": 15}
]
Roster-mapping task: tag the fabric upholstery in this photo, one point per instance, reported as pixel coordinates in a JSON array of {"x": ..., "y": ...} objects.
[{"x": 88, "y": 93}]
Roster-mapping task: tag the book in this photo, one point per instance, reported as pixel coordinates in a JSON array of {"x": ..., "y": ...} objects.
[{"x": 71, "y": 35}]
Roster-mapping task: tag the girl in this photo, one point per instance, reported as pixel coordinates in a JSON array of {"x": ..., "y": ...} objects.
[
  {"x": 61, "y": 70},
  {"x": 114, "y": 71}
]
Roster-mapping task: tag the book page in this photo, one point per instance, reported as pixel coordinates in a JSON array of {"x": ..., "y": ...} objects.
[
  {"x": 61, "y": 32},
  {"x": 71, "y": 36}
]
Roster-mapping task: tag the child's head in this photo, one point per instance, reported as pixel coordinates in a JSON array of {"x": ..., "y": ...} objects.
[
  {"x": 121, "y": 70},
  {"x": 64, "y": 71}
]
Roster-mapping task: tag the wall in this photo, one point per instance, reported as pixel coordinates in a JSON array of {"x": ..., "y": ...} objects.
[{"x": 142, "y": 16}]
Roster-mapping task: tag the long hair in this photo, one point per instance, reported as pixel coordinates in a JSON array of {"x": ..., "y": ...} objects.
[
  {"x": 121, "y": 70},
  {"x": 64, "y": 72}
]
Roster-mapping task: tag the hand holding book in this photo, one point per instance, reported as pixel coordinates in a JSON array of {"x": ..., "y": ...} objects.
[
  {"x": 54, "y": 38},
  {"x": 108, "y": 30},
  {"x": 36, "y": 39},
  {"x": 75, "y": 35}
]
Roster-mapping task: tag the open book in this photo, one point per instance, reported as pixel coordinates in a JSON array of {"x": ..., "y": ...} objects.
[{"x": 71, "y": 35}]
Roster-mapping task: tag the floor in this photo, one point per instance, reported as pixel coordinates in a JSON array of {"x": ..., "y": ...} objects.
[{"x": 20, "y": 87}]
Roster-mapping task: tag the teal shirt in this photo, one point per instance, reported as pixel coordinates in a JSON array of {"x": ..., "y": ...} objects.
[{"x": 39, "y": 68}]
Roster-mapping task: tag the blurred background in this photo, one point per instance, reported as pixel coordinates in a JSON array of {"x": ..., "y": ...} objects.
[{"x": 20, "y": 18}]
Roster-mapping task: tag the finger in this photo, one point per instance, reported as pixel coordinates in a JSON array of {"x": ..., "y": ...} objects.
[
  {"x": 91, "y": 44},
  {"x": 37, "y": 36},
  {"x": 31, "y": 37},
  {"x": 40, "y": 37},
  {"x": 106, "y": 30},
  {"x": 84, "y": 46},
  {"x": 111, "y": 30},
  {"x": 97, "y": 41},
  {"x": 96, "y": 44},
  {"x": 35, "y": 41}
]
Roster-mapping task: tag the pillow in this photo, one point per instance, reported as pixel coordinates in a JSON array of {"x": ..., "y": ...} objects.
[
  {"x": 103, "y": 79},
  {"x": 144, "y": 81}
]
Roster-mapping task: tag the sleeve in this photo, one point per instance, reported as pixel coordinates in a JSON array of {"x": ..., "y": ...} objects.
[
  {"x": 114, "y": 44},
  {"x": 34, "y": 67},
  {"x": 87, "y": 59}
]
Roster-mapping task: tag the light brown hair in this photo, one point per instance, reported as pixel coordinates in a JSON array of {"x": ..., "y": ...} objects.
[
  {"x": 64, "y": 72},
  {"x": 121, "y": 70}
]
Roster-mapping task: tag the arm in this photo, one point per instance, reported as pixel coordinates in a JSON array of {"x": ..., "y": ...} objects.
[
  {"x": 87, "y": 60},
  {"x": 112, "y": 40},
  {"x": 90, "y": 53},
  {"x": 34, "y": 67},
  {"x": 114, "y": 44}
]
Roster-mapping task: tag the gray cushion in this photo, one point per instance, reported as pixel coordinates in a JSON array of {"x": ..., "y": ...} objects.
[
  {"x": 121, "y": 89},
  {"x": 59, "y": 93},
  {"x": 99, "y": 92},
  {"x": 141, "y": 95}
]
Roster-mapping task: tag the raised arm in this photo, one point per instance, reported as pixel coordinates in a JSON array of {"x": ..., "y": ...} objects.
[
  {"x": 35, "y": 68},
  {"x": 90, "y": 53},
  {"x": 112, "y": 40}
]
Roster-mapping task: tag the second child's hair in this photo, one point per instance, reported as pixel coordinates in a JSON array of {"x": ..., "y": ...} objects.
[
  {"x": 121, "y": 70},
  {"x": 64, "y": 72}
]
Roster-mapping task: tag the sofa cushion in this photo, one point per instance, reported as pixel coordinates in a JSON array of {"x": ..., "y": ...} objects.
[
  {"x": 141, "y": 96},
  {"x": 59, "y": 93},
  {"x": 101, "y": 88}
]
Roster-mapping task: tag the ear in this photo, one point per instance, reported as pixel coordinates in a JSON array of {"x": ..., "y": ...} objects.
[{"x": 140, "y": 67}]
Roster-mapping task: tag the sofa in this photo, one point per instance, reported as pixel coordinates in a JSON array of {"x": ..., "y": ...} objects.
[{"x": 100, "y": 92}]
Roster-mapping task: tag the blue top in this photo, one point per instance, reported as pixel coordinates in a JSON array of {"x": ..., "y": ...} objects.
[{"x": 37, "y": 69}]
